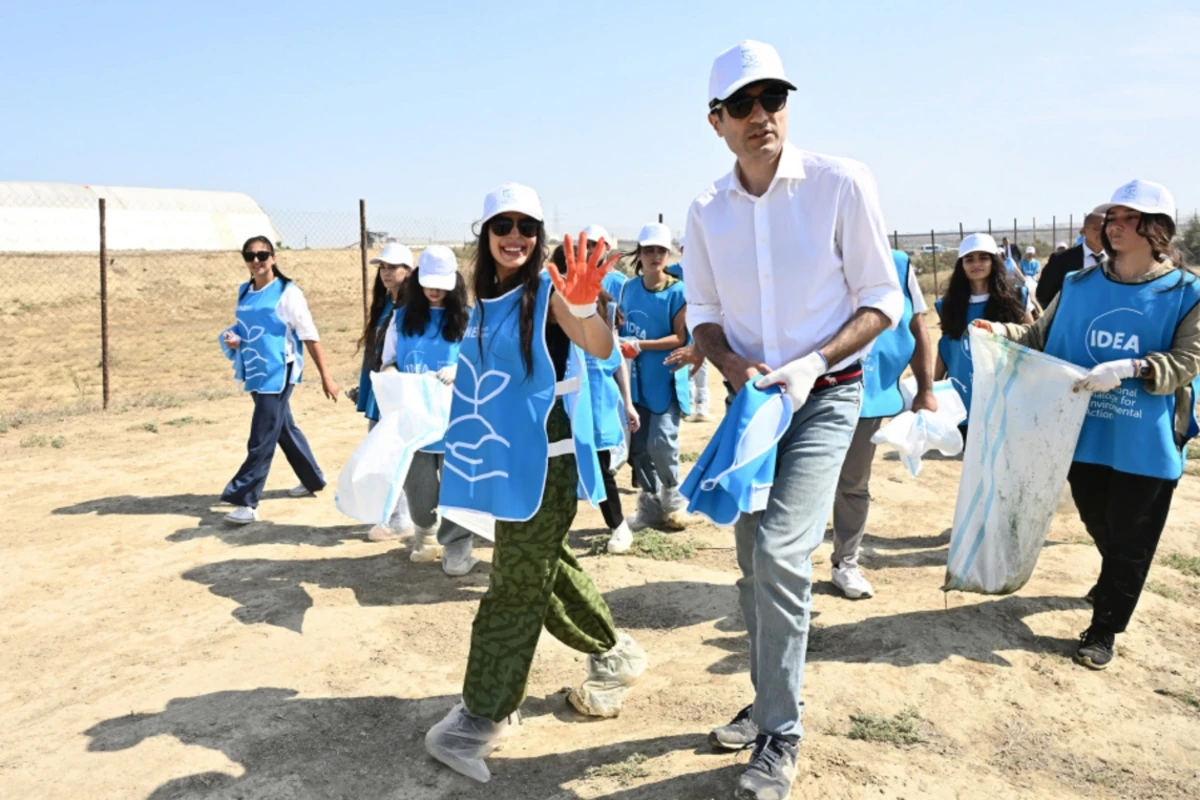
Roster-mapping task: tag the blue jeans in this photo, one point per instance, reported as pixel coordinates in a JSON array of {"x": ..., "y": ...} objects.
[
  {"x": 422, "y": 487},
  {"x": 654, "y": 449},
  {"x": 773, "y": 549},
  {"x": 272, "y": 424}
]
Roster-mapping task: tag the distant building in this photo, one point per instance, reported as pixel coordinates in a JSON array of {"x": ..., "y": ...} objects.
[{"x": 63, "y": 217}]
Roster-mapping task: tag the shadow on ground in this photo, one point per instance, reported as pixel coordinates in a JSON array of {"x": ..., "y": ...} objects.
[{"x": 372, "y": 747}]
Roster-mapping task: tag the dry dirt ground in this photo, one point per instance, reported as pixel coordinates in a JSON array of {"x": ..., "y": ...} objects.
[{"x": 147, "y": 650}]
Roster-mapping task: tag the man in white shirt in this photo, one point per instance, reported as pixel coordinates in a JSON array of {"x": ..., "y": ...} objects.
[{"x": 789, "y": 279}]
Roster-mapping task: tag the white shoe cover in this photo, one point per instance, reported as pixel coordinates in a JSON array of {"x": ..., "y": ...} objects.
[
  {"x": 462, "y": 741},
  {"x": 610, "y": 675}
]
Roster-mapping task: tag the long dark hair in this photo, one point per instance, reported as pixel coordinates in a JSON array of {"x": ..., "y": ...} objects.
[
  {"x": 1159, "y": 230},
  {"x": 417, "y": 309},
  {"x": 604, "y": 302},
  {"x": 1003, "y": 305},
  {"x": 284, "y": 279},
  {"x": 379, "y": 297},
  {"x": 486, "y": 285}
]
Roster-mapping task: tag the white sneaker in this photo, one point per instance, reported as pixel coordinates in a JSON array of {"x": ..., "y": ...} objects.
[
  {"x": 621, "y": 539},
  {"x": 300, "y": 491},
  {"x": 647, "y": 513},
  {"x": 426, "y": 549},
  {"x": 242, "y": 515},
  {"x": 851, "y": 582},
  {"x": 700, "y": 416}
]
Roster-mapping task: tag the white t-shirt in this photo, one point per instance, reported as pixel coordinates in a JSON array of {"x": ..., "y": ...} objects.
[
  {"x": 914, "y": 291},
  {"x": 983, "y": 298}
]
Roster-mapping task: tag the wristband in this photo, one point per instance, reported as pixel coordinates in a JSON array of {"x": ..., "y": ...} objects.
[{"x": 582, "y": 311}]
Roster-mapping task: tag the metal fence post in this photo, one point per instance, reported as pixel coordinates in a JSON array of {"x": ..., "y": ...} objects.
[
  {"x": 989, "y": 226},
  {"x": 104, "y": 303},
  {"x": 896, "y": 240},
  {"x": 960, "y": 232},
  {"x": 362, "y": 248},
  {"x": 933, "y": 243}
]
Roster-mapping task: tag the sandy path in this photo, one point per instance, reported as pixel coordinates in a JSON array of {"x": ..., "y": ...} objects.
[{"x": 148, "y": 651}]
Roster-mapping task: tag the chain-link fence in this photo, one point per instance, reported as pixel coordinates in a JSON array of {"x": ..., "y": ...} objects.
[{"x": 172, "y": 265}]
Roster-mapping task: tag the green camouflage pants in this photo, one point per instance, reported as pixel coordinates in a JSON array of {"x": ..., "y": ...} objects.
[{"x": 535, "y": 581}]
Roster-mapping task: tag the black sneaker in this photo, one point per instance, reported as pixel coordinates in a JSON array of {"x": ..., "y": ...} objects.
[
  {"x": 1091, "y": 595},
  {"x": 771, "y": 771},
  {"x": 1095, "y": 648},
  {"x": 739, "y": 734}
]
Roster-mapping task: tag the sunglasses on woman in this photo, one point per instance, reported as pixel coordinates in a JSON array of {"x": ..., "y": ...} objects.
[
  {"x": 256, "y": 255},
  {"x": 740, "y": 106},
  {"x": 526, "y": 226}
]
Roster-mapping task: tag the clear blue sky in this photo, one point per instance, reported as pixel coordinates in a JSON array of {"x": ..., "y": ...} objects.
[{"x": 1024, "y": 109}]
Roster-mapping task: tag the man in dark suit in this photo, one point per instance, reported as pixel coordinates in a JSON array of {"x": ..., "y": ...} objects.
[{"x": 1081, "y": 256}]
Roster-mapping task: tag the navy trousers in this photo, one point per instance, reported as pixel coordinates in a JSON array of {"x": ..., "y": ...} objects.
[{"x": 272, "y": 424}]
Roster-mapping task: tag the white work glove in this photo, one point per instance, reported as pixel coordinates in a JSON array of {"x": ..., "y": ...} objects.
[
  {"x": 1108, "y": 376},
  {"x": 797, "y": 378},
  {"x": 994, "y": 328},
  {"x": 231, "y": 339},
  {"x": 446, "y": 374},
  {"x": 630, "y": 347}
]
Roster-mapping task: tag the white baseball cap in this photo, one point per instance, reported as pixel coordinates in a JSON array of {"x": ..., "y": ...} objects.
[
  {"x": 978, "y": 243},
  {"x": 512, "y": 197},
  {"x": 395, "y": 253},
  {"x": 437, "y": 268},
  {"x": 655, "y": 234},
  {"x": 595, "y": 233},
  {"x": 1061, "y": 246},
  {"x": 1147, "y": 197},
  {"x": 1031, "y": 251},
  {"x": 744, "y": 63}
]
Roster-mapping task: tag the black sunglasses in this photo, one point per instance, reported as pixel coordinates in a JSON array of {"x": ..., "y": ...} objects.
[
  {"x": 502, "y": 226},
  {"x": 259, "y": 255},
  {"x": 740, "y": 106}
]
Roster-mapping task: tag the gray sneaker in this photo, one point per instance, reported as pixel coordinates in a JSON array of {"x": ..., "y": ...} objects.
[
  {"x": 739, "y": 734},
  {"x": 771, "y": 772}
]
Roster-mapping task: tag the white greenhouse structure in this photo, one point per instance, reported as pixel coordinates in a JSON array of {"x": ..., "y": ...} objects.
[{"x": 64, "y": 218}]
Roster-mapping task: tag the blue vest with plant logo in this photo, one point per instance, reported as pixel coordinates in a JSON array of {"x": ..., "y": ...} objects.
[
  {"x": 428, "y": 352},
  {"x": 890, "y": 356},
  {"x": 1099, "y": 320},
  {"x": 607, "y": 406},
  {"x": 651, "y": 315},
  {"x": 260, "y": 361},
  {"x": 496, "y": 444}
]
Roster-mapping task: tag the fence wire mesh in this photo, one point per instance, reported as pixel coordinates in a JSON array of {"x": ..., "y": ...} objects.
[{"x": 173, "y": 268}]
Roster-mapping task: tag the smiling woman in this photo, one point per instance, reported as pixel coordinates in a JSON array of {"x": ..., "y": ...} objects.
[
  {"x": 265, "y": 348},
  {"x": 519, "y": 446}
]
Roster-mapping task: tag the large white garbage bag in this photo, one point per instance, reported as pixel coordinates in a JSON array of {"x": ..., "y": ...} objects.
[
  {"x": 414, "y": 411},
  {"x": 1025, "y": 421}
]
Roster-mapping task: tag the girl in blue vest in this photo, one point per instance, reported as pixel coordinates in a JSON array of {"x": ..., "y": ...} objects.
[
  {"x": 980, "y": 288},
  {"x": 612, "y": 410},
  {"x": 518, "y": 449},
  {"x": 1134, "y": 323},
  {"x": 268, "y": 358},
  {"x": 425, "y": 336},
  {"x": 395, "y": 265},
  {"x": 655, "y": 326}
]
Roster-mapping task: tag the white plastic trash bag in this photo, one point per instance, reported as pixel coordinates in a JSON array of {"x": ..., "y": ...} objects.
[
  {"x": 914, "y": 435},
  {"x": 1025, "y": 422},
  {"x": 950, "y": 404},
  {"x": 414, "y": 411}
]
